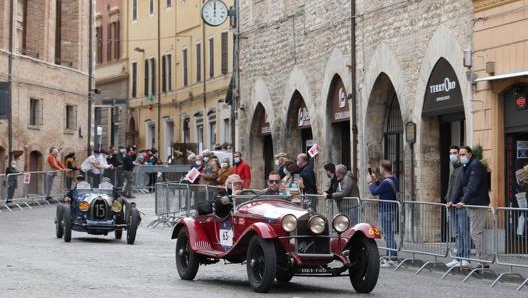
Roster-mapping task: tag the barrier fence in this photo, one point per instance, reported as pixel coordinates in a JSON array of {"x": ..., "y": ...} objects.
[{"x": 426, "y": 229}]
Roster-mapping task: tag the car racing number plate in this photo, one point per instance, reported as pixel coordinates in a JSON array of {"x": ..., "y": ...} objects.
[{"x": 225, "y": 235}]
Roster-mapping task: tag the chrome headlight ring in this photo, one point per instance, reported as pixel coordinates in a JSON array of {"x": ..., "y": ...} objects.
[
  {"x": 317, "y": 224},
  {"x": 340, "y": 223},
  {"x": 289, "y": 223}
]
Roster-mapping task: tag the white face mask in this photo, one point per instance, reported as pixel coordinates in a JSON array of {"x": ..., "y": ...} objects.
[
  {"x": 224, "y": 165},
  {"x": 277, "y": 162},
  {"x": 198, "y": 162},
  {"x": 206, "y": 159}
]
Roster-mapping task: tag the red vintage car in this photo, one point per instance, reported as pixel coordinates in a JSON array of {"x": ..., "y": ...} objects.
[{"x": 277, "y": 239}]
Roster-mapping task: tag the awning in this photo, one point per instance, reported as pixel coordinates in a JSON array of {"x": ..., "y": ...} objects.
[{"x": 504, "y": 76}]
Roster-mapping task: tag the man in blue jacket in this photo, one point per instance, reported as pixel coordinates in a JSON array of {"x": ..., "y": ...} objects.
[
  {"x": 473, "y": 190},
  {"x": 387, "y": 190}
]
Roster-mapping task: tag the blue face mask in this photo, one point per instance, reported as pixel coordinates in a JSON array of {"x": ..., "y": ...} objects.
[
  {"x": 464, "y": 160},
  {"x": 453, "y": 158}
]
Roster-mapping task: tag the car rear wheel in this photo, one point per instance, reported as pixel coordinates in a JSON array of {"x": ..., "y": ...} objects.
[
  {"x": 66, "y": 218},
  {"x": 133, "y": 222},
  {"x": 261, "y": 264},
  {"x": 187, "y": 262},
  {"x": 118, "y": 233},
  {"x": 364, "y": 264},
  {"x": 59, "y": 230}
]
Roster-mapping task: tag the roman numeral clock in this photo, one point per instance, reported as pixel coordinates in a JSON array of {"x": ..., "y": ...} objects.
[{"x": 214, "y": 12}]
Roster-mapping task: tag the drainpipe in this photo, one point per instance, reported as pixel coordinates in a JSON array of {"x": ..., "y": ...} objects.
[
  {"x": 90, "y": 75},
  {"x": 159, "y": 81},
  {"x": 10, "y": 87},
  {"x": 353, "y": 93}
]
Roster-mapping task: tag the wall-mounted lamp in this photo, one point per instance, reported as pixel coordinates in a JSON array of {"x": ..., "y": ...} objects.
[
  {"x": 138, "y": 49},
  {"x": 468, "y": 58}
]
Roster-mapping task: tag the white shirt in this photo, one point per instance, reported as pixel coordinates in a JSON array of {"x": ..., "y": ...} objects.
[{"x": 91, "y": 164}]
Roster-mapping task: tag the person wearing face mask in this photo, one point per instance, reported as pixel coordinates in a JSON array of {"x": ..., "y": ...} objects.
[
  {"x": 241, "y": 168},
  {"x": 280, "y": 159},
  {"x": 11, "y": 178},
  {"x": 225, "y": 170},
  {"x": 473, "y": 190},
  {"x": 210, "y": 171},
  {"x": 459, "y": 219}
]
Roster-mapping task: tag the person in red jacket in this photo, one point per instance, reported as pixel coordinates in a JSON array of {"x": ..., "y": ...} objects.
[
  {"x": 241, "y": 168},
  {"x": 53, "y": 165}
]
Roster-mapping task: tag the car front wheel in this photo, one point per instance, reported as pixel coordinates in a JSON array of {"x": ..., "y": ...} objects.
[
  {"x": 261, "y": 264},
  {"x": 187, "y": 261},
  {"x": 133, "y": 222},
  {"x": 66, "y": 218},
  {"x": 364, "y": 264},
  {"x": 59, "y": 230}
]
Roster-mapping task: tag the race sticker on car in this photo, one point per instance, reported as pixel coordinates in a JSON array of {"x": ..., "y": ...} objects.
[{"x": 226, "y": 235}]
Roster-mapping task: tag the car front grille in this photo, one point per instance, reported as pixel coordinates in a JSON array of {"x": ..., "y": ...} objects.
[
  {"x": 99, "y": 209},
  {"x": 313, "y": 245}
]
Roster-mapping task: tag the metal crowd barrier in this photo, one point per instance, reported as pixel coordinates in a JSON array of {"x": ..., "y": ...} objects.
[
  {"x": 514, "y": 234},
  {"x": 32, "y": 188},
  {"x": 386, "y": 215},
  {"x": 423, "y": 232},
  {"x": 146, "y": 176}
]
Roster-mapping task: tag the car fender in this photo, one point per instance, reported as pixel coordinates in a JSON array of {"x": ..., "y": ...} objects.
[
  {"x": 197, "y": 236},
  {"x": 365, "y": 229},
  {"x": 264, "y": 230}
]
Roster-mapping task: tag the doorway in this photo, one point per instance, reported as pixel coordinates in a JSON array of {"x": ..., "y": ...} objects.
[{"x": 36, "y": 181}]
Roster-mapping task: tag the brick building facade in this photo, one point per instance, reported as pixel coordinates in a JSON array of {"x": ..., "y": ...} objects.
[{"x": 49, "y": 78}]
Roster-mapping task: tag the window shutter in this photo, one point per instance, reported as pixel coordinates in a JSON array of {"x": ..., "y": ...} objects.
[
  {"x": 211, "y": 58},
  {"x": 153, "y": 63},
  {"x": 163, "y": 75},
  {"x": 117, "y": 41},
  {"x": 224, "y": 53},
  {"x": 109, "y": 43},
  {"x": 146, "y": 78},
  {"x": 169, "y": 65}
]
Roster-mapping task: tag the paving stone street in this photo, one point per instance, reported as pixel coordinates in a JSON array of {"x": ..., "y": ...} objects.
[{"x": 34, "y": 263}]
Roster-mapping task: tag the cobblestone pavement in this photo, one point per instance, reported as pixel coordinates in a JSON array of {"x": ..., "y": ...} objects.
[{"x": 34, "y": 263}]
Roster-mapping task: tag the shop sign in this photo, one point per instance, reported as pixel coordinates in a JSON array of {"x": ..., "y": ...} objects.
[
  {"x": 303, "y": 117},
  {"x": 265, "y": 128},
  {"x": 443, "y": 94},
  {"x": 340, "y": 108}
]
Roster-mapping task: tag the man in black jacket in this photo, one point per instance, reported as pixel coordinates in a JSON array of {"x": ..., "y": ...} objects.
[
  {"x": 330, "y": 170},
  {"x": 473, "y": 190}
]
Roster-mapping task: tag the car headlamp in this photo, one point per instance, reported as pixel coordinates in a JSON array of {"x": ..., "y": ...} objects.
[
  {"x": 117, "y": 206},
  {"x": 340, "y": 223},
  {"x": 84, "y": 206},
  {"x": 289, "y": 223},
  {"x": 317, "y": 224}
]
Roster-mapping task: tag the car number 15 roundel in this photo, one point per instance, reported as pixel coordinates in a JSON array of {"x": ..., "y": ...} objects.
[{"x": 225, "y": 235}]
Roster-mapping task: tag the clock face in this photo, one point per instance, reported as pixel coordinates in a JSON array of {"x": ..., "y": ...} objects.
[{"x": 214, "y": 12}]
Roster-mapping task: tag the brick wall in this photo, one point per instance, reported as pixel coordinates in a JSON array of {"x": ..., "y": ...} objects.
[{"x": 70, "y": 31}]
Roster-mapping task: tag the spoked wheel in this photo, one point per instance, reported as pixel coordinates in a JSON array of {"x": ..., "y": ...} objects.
[
  {"x": 59, "y": 230},
  {"x": 66, "y": 218},
  {"x": 364, "y": 264},
  {"x": 187, "y": 262},
  {"x": 133, "y": 222},
  {"x": 261, "y": 264}
]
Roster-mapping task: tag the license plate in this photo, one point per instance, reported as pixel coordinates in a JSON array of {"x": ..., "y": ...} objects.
[{"x": 312, "y": 270}]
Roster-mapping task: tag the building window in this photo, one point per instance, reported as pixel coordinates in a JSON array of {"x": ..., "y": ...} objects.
[
  {"x": 109, "y": 42},
  {"x": 117, "y": 40},
  {"x": 71, "y": 117},
  {"x": 225, "y": 58},
  {"x": 150, "y": 135},
  {"x": 150, "y": 77},
  {"x": 99, "y": 36},
  {"x": 186, "y": 131},
  {"x": 198, "y": 62},
  {"x": 134, "y": 10},
  {"x": 166, "y": 72},
  {"x": 151, "y": 7},
  {"x": 36, "y": 111},
  {"x": 211, "y": 57},
  {"x": 227, "y": 130},
  {"x": 134, "y": 80},
  {"x": 212, "y": 133},
  {"x": 199, "y": 133},
  {"x": 169, "y": 3},
  {"x": 185, "y": 68}
]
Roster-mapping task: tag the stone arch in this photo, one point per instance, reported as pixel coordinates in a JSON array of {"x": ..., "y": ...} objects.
[
  {"x": 298, "y": 87},
  {"x": 3, "y": 158},
  {"x": 336, "y": 66},
  {"x": 429, "y": 161},
  {"x": 261, "y": 146}
]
